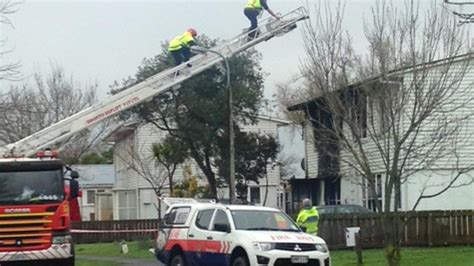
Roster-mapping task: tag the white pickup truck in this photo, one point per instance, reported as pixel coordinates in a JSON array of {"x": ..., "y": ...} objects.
[{"x": 215, "y": 235}]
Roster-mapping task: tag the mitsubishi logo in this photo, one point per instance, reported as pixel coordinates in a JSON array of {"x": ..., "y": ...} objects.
[{"x": 297, "y": 248}]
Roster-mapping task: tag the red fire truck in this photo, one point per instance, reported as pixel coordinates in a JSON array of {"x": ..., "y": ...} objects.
[{"x": 35, "y": 212}]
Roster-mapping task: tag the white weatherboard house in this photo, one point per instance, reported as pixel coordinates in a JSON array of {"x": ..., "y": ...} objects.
[
  {"x": 134, "y": 197},
  {"x": 347, "y": 187},
  {"x": 96, "y": 182}
]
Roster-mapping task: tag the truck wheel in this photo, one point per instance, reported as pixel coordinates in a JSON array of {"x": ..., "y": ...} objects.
[
  {"x": 177, "y": 260},
  {"x": 66, "y": 262},
  {"x": 240, "y": 261}
]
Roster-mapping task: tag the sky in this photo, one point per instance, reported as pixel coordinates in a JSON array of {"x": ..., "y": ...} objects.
[{"x": 103, "y": 41}]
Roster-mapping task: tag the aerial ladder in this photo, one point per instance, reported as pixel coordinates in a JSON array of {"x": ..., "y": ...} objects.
[{"x": 152, "y": 86}]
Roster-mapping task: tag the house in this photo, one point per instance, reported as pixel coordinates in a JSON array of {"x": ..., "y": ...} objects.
[
  {"x": 333, "y": 179},
  {"x": 96, "y": 182},
  {"x": 137, "y": 173}
]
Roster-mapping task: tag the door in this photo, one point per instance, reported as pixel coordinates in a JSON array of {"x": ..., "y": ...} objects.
[
  {"x": 198, "y": 242},
  {"x": 219, "y": 254}
]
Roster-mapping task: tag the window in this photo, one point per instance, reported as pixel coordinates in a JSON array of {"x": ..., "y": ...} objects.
[
  {"x": 90, "y": 196},
  {"x": 204, "y": 219},
  {"x": 262, "y": 220},
  {"x": 255, "y": 194},
  {"x": 368, "y": 198},
  {"x": 344, "y": 209},
  {"x": 221, "y": 218},
  {"x": 359, "y": 113},
  {"x": 178, "y": 215},
  {"x": 326, "y": 210},
  {"x": 127, "y": 205}
]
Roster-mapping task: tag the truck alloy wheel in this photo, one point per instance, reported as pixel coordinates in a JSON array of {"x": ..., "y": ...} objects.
[
  {"x": 240, "y": 261},
  {"x": 177, "y": 260}
]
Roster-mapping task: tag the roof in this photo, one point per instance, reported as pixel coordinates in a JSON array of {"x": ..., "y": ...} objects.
[
  {"x": 200, "y": 205},
  {"x": 125, "y": 129},
  {"x": 273, "y": 119},
  {"x": 395, "y": 72},
  {"x": 121, "y": 131},
  {"x": 96, "y": 175}
]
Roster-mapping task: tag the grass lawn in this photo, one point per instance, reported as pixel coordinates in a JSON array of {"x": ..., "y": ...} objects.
[
  {"x": 94, "y": 263},
  {"x": 444, "y": 256},
  {"x": 114, "y": 250}
]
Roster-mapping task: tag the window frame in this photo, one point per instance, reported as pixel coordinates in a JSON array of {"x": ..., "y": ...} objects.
[
  {"x": 89, "y": 193},
  {"x": 175, "y": 208},
  {"x": 213, "y": 222},
  {"x": 210, "y": 220}
]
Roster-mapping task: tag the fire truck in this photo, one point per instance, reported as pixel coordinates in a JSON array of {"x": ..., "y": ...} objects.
[
  {"x": 35, "y": 218},
  {"x": 36, "y": 194}
]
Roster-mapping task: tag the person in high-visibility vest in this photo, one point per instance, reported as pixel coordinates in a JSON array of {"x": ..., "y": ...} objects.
[
  {"x": 308, "y": 218},
  {"x": 252, "y": 10},
  {"x": 179, "y": 47}
]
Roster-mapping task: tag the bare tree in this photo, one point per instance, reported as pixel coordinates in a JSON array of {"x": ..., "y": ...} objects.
[
  {"x": 399, "y": 109},
  {"x": 144, "y": 167},
  {"x": 8, "y": 71},
  {"x": 32, "y": 107},
  {"x": 169, "y": 154},
  {"x": 464, "y": 17}
]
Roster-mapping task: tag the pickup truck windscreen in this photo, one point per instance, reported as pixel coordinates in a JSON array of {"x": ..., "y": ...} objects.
[
  {"x": 262, "y": 220},
  {"x": 31, "y": 187}
]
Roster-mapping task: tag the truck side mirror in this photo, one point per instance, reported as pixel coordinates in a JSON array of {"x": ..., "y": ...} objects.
[
  {"x": 222, "y": 228},
  {"x": 74, "y": 174},
  {"x": 74, "y": 188}
]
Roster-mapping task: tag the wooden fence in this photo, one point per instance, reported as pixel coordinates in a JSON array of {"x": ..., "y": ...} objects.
[
  {"x": 433, "y": 228},
  {"x": 109, "y": 231},
  {"x": 436, "y": 228}
]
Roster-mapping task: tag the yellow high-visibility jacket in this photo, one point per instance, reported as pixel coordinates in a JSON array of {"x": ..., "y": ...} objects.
[
  {"x": 254, "y": 4},
  {"x": 181, "y": 41},
  {"x": 309, "y": 218}
]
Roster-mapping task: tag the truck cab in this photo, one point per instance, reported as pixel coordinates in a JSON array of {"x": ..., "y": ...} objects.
[
  {"x": 238, "y": 235},
  {"x": 34, "y": 212}
]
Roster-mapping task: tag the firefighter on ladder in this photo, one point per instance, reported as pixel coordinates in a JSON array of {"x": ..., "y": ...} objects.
[
  {"x": 252, "y": 10},
  {"x": 179, "y": 47},
  {"x": 308, "y": 218}
]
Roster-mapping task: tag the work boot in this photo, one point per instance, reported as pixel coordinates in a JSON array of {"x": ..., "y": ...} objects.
[{"x": 253, "y": 35}]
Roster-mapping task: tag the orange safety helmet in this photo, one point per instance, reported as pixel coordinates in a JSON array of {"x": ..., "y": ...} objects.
[{"x": 192, "y": 31}]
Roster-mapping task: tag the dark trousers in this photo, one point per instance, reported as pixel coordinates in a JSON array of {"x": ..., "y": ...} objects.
[
  {"x": 181, "y": 55},
  {"x": 252, "y": 14}
]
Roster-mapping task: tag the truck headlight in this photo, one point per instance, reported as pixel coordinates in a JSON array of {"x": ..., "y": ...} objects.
[
  {"x": 58, "y": 240},
  {"x": 263, "y": 246},
  {"x": 321, "y": 247}
]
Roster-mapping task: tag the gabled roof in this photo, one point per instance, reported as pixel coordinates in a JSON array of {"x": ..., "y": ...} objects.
[
  {"x": 273, "y": 119},
  {"x": 125, "y": 129},
  {"x": 95, "y": 175},
  {"x": 394, "y": 73},
  {"x": 121, "y": 131}
]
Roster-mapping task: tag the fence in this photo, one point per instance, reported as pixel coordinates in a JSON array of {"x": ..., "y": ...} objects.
[
  {"x": 109, "y": 231},
  {"x": 433, "y": 228},
  {"x": 427, "y": 228}
]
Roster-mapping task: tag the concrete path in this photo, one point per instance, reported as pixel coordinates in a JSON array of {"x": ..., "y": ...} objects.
[{"x": 121, "y": 261}]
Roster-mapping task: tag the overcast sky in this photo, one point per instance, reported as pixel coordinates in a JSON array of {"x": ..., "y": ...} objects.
[{"x": 105, "y": 41}]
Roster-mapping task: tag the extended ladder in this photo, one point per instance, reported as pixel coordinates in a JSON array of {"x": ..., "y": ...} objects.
[{"x": 150, "y": 87}]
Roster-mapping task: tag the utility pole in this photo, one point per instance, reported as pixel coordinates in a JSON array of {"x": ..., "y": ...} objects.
[{"x": 199, "y": 49}]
